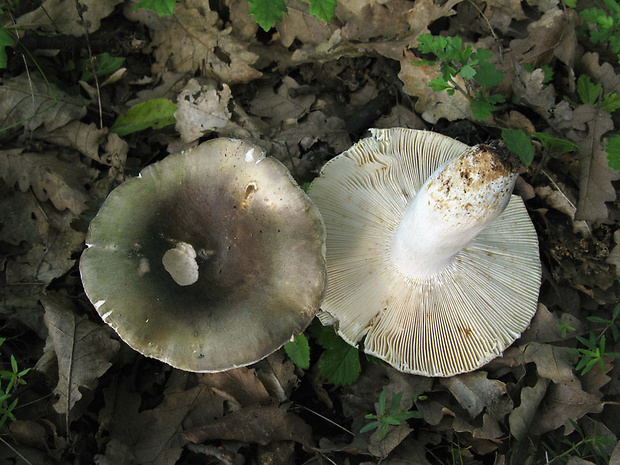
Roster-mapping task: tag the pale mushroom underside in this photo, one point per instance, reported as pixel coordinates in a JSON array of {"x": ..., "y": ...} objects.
[{"x": 453, "y": 322}]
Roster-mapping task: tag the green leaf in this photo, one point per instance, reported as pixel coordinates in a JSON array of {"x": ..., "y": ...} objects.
[
  {"x": 382, "y": 402},
  {"x": 613, "y": 153},
  {"x": 103, "y": 63},
  {"x": 481, "y": 109},
  {"x": 439, "y": 84},
  {"x": 6, "y": 40},
  {"x": 323, "y": 9},
  {"x": 161, "y": 7},
  {"x": 571, "y": 3},
  {"x": 156, "y": 114},
  {"x": 467, "y": 72},
  {"x": 520, "y": 144},
  {"x": 267, "y": 12},
  {"x": 611, "y": 102},
  {"x": 298, "y": 351},
  {"x": 587, "y": 90},
  {"x": 487, "y": 76},
  {"x": 555, "y": 144},
  {"x": 370, "y": 426},
  {"x": 340, "y": 362}
]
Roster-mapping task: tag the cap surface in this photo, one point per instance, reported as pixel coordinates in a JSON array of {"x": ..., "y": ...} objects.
[
  {"x": 209, "y": 260},
  {"x": 441, "y": 325}
]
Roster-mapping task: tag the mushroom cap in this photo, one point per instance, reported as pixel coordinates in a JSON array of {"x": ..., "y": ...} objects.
[
  {"x": 244, "y": 267},
  {"x": 441, "y": 325}
]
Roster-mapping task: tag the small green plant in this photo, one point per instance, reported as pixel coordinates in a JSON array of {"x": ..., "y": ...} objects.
[
  {"x": 610, "y": 324},
  {"x": 454, "y": 59},
  {"x": 298, "y": 351},
  {"x": 10, "y": 380},
  {"x": 593, "y": 353},
  {"x": 267, "y": 12},
  {"x": 391, "y": 416},
  {"x": 604, "y": 25},
  {"x": 339, "y": 363},
  {"x": 565, "y": 327},
  {"x": 590, "y": 93},
  {"x": 587, "y": 448}
]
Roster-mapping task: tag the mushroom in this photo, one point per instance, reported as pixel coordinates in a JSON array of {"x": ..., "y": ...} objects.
[
  {"x": 432, "y": 264},
  {"x": 208, "y": 260}
]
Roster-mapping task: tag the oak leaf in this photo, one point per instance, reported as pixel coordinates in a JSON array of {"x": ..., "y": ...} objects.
[{"x": 83, "y": 350}]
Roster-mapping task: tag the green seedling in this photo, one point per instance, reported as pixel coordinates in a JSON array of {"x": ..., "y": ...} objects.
[
  {"x": 603, "y": 25},
  {"x": 10, "y": 380},
  {"x": 610, "y": 324},
  {"x": 593, "y": 353},
  {"x": 565, "y": 327},
  {"x": 587, "y": 448},
  {"x": 473, "y": 66},
  {"x": 392, "y": 416}
]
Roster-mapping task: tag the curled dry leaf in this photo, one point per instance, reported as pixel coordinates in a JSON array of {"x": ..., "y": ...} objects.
[
  {"x": 83, "y": 350},
  {"x": 474, "y": 392},
  {"x": 564, "y": 402},
  {"x": 202, "y": 109},
  {"x": 596, "y": 176},
  {"x": 553, "y": 362},
  {"x": 48, "y": 176},
  {"x": 30, "y": 102},
  {"x": 241, "y": 386},
  {"x": 191, "y": 39},
  {"x": 255, "y": 424},
  {"x": 521, "y": 418},
  {"x": 301, "y": 25}
]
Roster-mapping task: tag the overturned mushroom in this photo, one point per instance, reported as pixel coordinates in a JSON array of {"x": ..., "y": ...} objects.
[
  {"x": 431, "y": 261},
  {"x": 209, "y": 260}
]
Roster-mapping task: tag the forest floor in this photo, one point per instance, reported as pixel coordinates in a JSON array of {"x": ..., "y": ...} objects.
[{"x": 305, "y": 91}]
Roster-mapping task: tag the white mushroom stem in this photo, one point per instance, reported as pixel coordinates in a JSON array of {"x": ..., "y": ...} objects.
[{"x": 453, "y": 206}]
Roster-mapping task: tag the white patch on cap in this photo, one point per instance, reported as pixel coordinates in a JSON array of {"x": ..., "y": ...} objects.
[
  {"x": 143, "y": 267},
  {"x": 98, "y": 304},
  {"x": 249, "y": 157},
  {"x": 105, "y": 316},
  {"x": 180, "y": 263}
]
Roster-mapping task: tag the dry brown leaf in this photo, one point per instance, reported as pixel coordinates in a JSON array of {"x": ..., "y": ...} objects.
[
  {"x": 60, "y": 16},
  {"x": 241, "y": 385},
  {"x": 381, "y": 19},
  {"x": 255, "y": 424},
  {"x": 559, "y": 200},
  {"x": 317, "y": 126},
  {"x": 88, "y": 140},
  {"x": 154, "y": 436},
  {"x": 564, "y": 402},
  {"x": 553, "y": 362},
  {"x": 301, "y": 25},
  {"x": 382, "y": 447},
  {"x": 596, "y": 176},
  {"x": 29, "y": 102},
  {"x": 47, "y": 258},
  {"x": 191, "y": 40},
  {"x": 530, "y": 89},
  {"x": 614, "y": 254},
  {"x": 600, "y": 73},
  {"x": 474, "y": 392},
  {"x": 432, "y": 105},
  {"x": 544, "y": 327},
  {"x": 278, "y": 374},
  {"x": 83, "y": 350},
  {"x": 278, "y": 105},
  {"x": 201, "y": 109},
  {"x": 21, "y": 219},
  {"x": 551, "y": 35},
  {"x": 521, "y": 418},
  {"x": 49, "y": 177}
]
